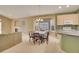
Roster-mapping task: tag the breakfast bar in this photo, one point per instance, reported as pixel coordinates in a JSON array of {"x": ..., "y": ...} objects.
[{"x": 69, "y": 41}]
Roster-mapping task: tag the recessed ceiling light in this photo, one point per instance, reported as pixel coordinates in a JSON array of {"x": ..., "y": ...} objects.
[
  {"x": 60, "y": 7},
  {"x": 67, "y": 6}
]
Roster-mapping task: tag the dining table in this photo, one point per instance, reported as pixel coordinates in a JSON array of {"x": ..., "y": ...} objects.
[
  {"x": 39, "y": 35},
  {"x": 43, "y": 34}
]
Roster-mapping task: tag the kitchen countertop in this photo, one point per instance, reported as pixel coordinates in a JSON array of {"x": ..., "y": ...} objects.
[
  {"x": 72, "y": 32},
  {"x": 9, "y": 33}
]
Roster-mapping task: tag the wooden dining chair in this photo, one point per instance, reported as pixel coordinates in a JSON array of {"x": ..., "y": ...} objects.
[
  {"x": 46, "y": 37},
  {"x": 30, "y": 36},
  {"x": 36, "y": 38}
]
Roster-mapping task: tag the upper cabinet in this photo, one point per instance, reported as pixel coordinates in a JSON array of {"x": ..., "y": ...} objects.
[{"x": 67, "y": 19}]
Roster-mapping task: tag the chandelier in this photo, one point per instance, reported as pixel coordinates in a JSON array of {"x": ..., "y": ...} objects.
[{"x": 39, "y": 19}]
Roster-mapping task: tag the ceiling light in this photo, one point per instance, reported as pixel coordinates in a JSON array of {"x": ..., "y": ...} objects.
[
  {"x": 67, "y": 6},
  {"x": 60, "y": 7}
]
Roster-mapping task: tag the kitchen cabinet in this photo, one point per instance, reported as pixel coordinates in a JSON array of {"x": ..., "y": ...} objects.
[
  {"x": 60, "y": 20},
  {"x": 72, "y": 19}
]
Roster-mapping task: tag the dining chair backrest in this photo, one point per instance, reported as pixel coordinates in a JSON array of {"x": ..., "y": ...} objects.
[
  {"x": 36, "y": 34},
  {"x": 30, "y": 34}
]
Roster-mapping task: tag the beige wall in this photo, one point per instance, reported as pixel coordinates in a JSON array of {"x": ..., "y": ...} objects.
[
  {"x": 28, "y": 24},
  {"x": 6, "y": 24},
  {"x": 17, "y": 24},
  {"x": 25, "y": 25}
]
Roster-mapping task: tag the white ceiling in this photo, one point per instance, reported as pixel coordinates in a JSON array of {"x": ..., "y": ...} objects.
[{"x": 19, "y": 11}]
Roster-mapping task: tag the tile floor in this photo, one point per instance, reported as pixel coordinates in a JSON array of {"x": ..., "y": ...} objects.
[{"x": 29, "y": 47}]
